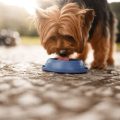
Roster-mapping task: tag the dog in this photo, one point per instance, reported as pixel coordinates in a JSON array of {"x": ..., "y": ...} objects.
[{"x": 70, "y": 25}]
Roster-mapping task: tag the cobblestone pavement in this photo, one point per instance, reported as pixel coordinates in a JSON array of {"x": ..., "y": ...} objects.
[{"x": 27, "y": 93}]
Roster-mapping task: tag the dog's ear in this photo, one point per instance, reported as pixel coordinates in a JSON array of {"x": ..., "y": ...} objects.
[
  {"x": 87, "y": 15},
  {"x": 41, "y": 14}
]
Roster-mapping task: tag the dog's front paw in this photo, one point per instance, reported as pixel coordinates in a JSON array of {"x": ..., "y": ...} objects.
[
  {"x": 96, "y": 65},
  {"x": 110, "y": 62}
]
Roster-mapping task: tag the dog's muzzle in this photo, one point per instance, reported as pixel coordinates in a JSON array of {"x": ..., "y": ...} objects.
[{"x": 63, "y": 52}]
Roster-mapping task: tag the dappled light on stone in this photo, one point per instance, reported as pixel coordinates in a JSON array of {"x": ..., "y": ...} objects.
[{"x": 28, "y": 93}]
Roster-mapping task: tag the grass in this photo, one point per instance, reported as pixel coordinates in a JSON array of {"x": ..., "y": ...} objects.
[
  {"x": 26, "y": 40},
  {"x": 118, "y": 46}
]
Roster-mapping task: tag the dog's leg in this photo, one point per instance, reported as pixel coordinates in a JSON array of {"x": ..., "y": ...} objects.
[
  {"x": 113, "y": 31},
  {"x": 84, "y": 54},
  {"x": 101, "y": 51},
  {"x": 101, "y": 46},
  {"x": 110, "y": 60}
]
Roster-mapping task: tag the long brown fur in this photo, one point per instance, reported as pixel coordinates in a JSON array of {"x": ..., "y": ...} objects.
[{"x": 65, "y": 22}]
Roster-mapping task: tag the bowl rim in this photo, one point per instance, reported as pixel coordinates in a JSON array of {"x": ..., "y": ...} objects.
[{"x": 80, "y": 69}]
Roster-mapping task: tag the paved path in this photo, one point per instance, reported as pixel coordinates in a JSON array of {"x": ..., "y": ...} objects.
[{"x": 27, "y": 93}]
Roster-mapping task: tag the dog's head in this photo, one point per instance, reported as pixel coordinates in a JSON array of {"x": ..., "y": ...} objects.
[{"x": 64, "y": 31}]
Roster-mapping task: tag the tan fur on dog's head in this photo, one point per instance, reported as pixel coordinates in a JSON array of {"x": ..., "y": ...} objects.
[{"x": 64, "y": 29}]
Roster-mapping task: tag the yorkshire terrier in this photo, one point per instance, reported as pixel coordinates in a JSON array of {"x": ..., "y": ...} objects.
[{"x": 68, "y": 28}]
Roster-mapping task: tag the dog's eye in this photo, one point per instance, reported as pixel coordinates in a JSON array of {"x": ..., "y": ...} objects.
[
  {"x": 52, "y": 38},
  {"x": 68, "y": 37}
]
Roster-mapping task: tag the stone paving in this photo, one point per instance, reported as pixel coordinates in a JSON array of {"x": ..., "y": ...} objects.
[{"x": 28, "y": 93}]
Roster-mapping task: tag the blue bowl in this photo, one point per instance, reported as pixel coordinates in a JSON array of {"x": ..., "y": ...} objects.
[{"x": 73, "y": 66}]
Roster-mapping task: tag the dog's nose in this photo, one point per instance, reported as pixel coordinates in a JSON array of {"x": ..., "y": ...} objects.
[{"x": 62, "y": 52}]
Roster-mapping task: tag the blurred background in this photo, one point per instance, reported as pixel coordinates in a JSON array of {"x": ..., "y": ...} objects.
[{"x": 16, "y": 20}]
